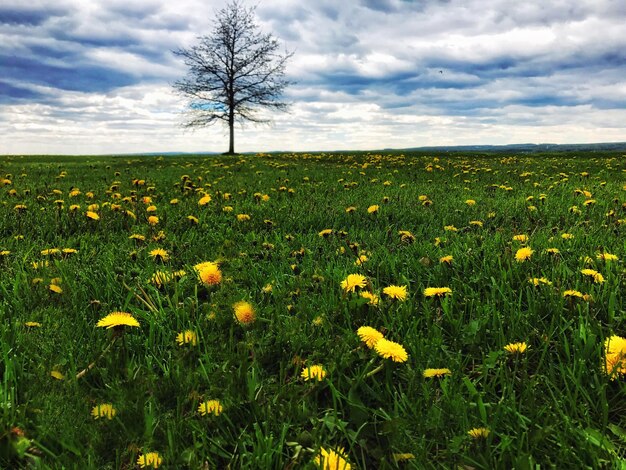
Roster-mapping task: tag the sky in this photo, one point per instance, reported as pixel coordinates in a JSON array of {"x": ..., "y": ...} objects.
[{"x": 95, "y": 76}]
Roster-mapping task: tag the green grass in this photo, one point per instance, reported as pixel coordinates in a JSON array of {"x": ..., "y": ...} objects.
[{"x": 552, "y": 406}]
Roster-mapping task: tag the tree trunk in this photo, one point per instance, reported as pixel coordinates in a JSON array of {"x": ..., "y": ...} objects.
[{"x": 231, "y": 127}]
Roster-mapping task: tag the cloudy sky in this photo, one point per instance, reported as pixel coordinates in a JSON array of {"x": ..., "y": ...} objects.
[{"x": 94, "y": 76}]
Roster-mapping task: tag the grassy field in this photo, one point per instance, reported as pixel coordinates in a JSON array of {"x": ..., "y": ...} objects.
[{"x": 530, "y": 249}]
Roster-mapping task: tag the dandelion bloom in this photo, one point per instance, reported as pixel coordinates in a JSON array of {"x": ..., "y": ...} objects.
[
  {"x": 326, "y": 232},
  {"x": 149, "y": 460},
  {"x": 390, "y": 350},
  {"x": 204, "y": 200},
  {"x": 396, "y": 292},
  {"x": 361, "y": 259},
  {"x": 55, "y": 374},
  {"x": 32, "y": 324},
  {"x": 607, "y": 257},
  {"x": 567, "y": 236},
  {"x": 446, "y": 259},
  {"x": 470, "y": 202},
  {"x": 430, "y": 373},
  {"x": 243, "y": 217},
  {"x": 437, "y": 291},
  {"x": 159, "y": 254},
  {"x": 56, "y": 289},
  {"x": 192, "y": 219},
  {"x": 573, "y": 293},
  {"x": 353, "y": 281},
  {"x": 350, "y": 209},
  {"x": 477, "y": 223},
  {"x": 450, "y": 228},
  {"x": 244, "y": 312},
  {"x": 478, "y": 433},
  {"x": 369, "y": 335},
  {"x": 516, "y": 348},
  {"x": 373, "y": 209},
  {"x": 523, "y": 254},
  {"x": 314, "y": 372},
  {"x": 402, "y": 457},
  {"x": 210, "y": 407},
  {"x": 371, "y": 297},
  {"x": 597, "y": 277},
  {"x": 553, "y": 251},
  {"x": 116, "y": 319},
  {"x": 537, "y": 281},
  {"x": 103, "y": 410},
  {"x": 187, "y": 337},
  {"x": 92, "y": 215},
  {"x": 614, "y": 355},
  {"x": 209, "y": 273},
  {"x": 153, "y": 220},
  {"x": 520, "y": 238},
  {"x": 332, "y": 460},
  {"x": 406, "y": 236}
]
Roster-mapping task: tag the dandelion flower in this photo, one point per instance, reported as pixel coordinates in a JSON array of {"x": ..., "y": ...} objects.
[
  {"x": 244, "y": 312},
  {"x": 520, "y": 238},
  {"x": 402, "y": 457},
  {"x": 371, "y": 297},
  {"x": 116, "y": 319},
  {"x": 55, "y": 374},
  {"x": 523, "y": 254},
  {"x": 353, "y": 281},
  {"x": 153, "y": 220},
  {"x": 597, "y": 277},
  {"x": 32, "y": 324},
  {"x": 326, "y": 232},
  {"x": 615, "y": 353},
  {"x": 396, "y": 292},
  {"x": 150, "y": 460},
  {"x": 159, "y": 254},
  {"x": 369, "y": 335},
  {"x": 478, "y": 433},
  {"x": 573, "y": 293},
  {"x": 437, "y": 291},
  {"x": 204, "y": 200},
  {"x": 56, "y": 289},
  {"x": 373, "y": 209},
  {"x": 470, "y": 202},
  {"x": 516, "y": 348},
  {"x": 209, "y": 273},
  {"x": 537, "y": 281},
  {"x": 187, "y": 337},
  {"x": 390, "y": 350},
  {"x": 243, "y": 217},
  {"x": 210, "y": 407},
  {"x": 92, "y": 215},
  {"x": 103, "y": 410},
  {"x": 314, "y": 372},
  {"x": 450, "y": 228},
  {"x": 552, "y": 251},
  {"x": 332, "y": 460},
  {"x": 607, "y": 257},
  {"x": 446, "y": 259},
  {"x": 430, "y": 373},
  {"x": 567, "y": 236},
  {"x": 406, "y": 236}
]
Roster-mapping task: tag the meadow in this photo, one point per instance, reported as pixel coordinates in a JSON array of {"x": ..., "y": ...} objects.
[{"x": 336, "y": 311}]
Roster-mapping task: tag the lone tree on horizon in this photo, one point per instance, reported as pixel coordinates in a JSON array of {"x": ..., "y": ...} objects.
[{"x": 233, "y": 72}]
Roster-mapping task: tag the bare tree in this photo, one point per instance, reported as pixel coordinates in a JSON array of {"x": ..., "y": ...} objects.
[{"x": 233, "y": 73}]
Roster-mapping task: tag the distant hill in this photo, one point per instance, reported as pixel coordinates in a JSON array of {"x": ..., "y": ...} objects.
[{"x": 526, "y": 148}]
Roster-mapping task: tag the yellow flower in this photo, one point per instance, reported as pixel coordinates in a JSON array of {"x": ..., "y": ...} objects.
[
  {"x": 151, "y": 209},
  {"x": 350, "y": 209},
  {"x": 361, "y": 259},
  {"x": 553, "y": 251},
  {"x": 396, "y": 292},
  {"x": 243, "y": 217},
  {"x": 406, "y": 236},
  {"x": 369, "y": 335},
  {"x": 103, "y": 410},
  {"x": 314, "y": 372},
  {"x": 210, "y": 407},
  {"x": 446, "y": 259},
  {"x": 520, "y": 238},
  {"x": 373, "y": 298},
  {"x": 615, "y": 355},
  {"x": 136, "y": 236},
  {"x": 523, "y": 254},
  {"x": 244, "y": 312},
  {"x": 470, "y": 202},
  {"x": 187, "y": 337},
  {"x": 32, "y": 324},
  {"x": 450, "y": 228},
  {"x": 159, "y": 254},
  {"x": 332, "y": 460},
  {"x": 567, "y": 236},
  {"x": 150, "y": 459},
  {"x": 437, "y": 291},
  {"x": 55, "y": 374},
  {"x": 204, "y": 200},
  {"x": 353, "y": 281},
  {"x": 430, "y": 373},
  {"x": 209, "y": 273},
  {"x": 478, "y": 433},
  {"x": 401, "y": 457},
  {"x": 326, "y": 232},
  {"x": 390, "y": 350},
  {"x": 597, "y": 277},
  {"x": 192, "y": 219},
  {"x": 515, "y": 348},
  {"x": 372, "y": 209},
  {"x": 536, "y": 281},
  {"x": 92, "y": 215},
  {"x": 153, "y": 220},
  {"x": 477, "y": 223},
  {"x": 573, "y": 293},
  {"x": 607, "y": 257},
  {"x": 116, "y": 319},
  {"x": 56, "y": 289},
  {"x": 50, "y": 251}
]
